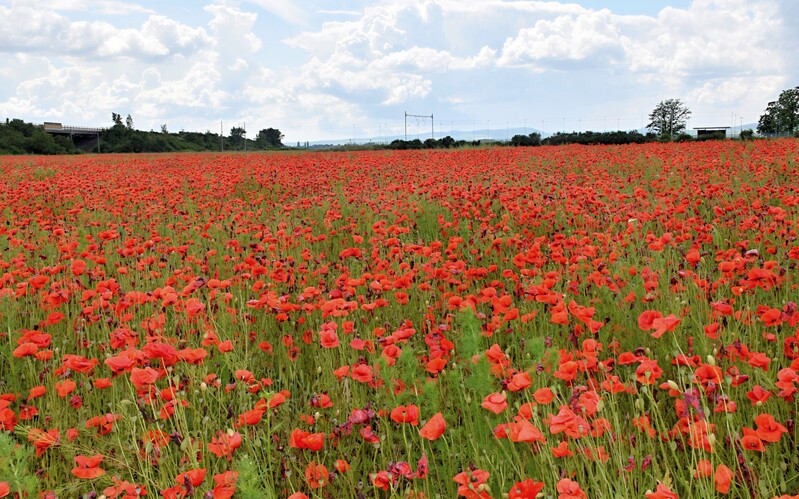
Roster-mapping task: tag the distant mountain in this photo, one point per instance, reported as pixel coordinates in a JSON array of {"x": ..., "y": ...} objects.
[{"x": 497, "y": 134}]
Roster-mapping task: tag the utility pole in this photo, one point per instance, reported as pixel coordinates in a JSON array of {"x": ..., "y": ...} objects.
[{"x": 432, "y": 125}]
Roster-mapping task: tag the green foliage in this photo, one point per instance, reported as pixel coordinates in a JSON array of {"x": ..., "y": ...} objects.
[
  {"x": 589, "y": 137},
  {"x": 18, "y": 137},
  {"x": 534, "y": 139},
  {"x": 536, "y": 348},
  {"x": 250, "y": 483},
  {"x": 471, "y": 338},
  {"x": 269, "y": 138},
  {"x": 15, "y": 466},
  {"x": 237, "y": 137},
  {"x": 669, "y": 118},
  {"x": 782, "y": 115},
  {"x": 471, "y": 345},
  {"x": 712, "y": 136},
  {"x": 443, "y": 143}
]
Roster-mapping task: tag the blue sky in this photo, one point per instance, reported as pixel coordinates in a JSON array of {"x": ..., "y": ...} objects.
[{"x": 324, "y": 69}]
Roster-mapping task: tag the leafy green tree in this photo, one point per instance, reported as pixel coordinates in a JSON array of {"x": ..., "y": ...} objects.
[
  {"x": 237, "y": 137},
  {"x": 269, "y": 138},
  {"x": 129, "y": 122},
  {"x": 669, "y": 118},
  {"x": 534, "y": 139},
  {"x": 782, "y": 115}
]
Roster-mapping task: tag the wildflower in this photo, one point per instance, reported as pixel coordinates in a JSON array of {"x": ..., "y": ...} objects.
[
  {"x": 88, "y": 467},
  {"x": 472, "y": 484},
  {"x": 316, "y": 475},
  {"x": 526, "y": 489},
  {"x": 434, "y": 427},
  {"x": 495, "y": 402},
  {"x": 569, "y": 489},
  {"x": 722, "y": 479},
  {"x": 406, "y": 414}
]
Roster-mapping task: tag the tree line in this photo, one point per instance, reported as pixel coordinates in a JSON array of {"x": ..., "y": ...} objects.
[
  {"x": 122, "y": 137},
  {"x": 667, "y": 121},
  {"x": 18, "y": 137},
  {"x": 782, "y": 115}
]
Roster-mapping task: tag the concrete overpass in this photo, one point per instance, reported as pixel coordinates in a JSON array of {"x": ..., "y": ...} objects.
[{"x": 82, "y": 137}]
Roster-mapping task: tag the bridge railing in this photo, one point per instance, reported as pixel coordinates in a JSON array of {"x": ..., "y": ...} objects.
[{"x": 69, "y": 128}]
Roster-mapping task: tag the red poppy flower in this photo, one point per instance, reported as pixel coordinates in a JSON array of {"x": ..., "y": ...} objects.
[
  {"x": 434, "y": 427},
  {"x": 526, "y": 489},
  {"x": 569, "y": 489},
  {"x": 495, "y": 402},
  {"x": 768, "y": 429},
  {"x": 305, "y": 440},
  {"x": 406, "y": 414},
  {"x": 193, "y": 477},
  {"x": 471, "y": 484},
  {"x": 225, "y": 484},
  {"x": 224, "y": 444},
  {"x": 316, "y": 475},
  {"x": 661, "y": 492},
  {"x": 88, "y": 467},
  {"x": 722, "y": 479}
]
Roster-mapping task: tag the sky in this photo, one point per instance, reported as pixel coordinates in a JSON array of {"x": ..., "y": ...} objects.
[{"x": 326, "y": 69}]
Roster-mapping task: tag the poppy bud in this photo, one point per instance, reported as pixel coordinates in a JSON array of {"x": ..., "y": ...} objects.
[
  {"x": 673, "y": 385},
  {"x": 711, "y": 360}
]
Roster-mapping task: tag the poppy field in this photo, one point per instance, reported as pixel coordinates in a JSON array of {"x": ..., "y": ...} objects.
[{"x": 559, "y": 322}]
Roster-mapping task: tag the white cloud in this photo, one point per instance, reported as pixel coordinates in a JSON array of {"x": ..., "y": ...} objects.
[
  {"x": 710, "y": 38},
  {"x": 28, "y": 29},
  {"x": 431, "y": 60},
  {"x": 735, "y": 90},
  {"x": 461, "y": 58},
  {"x": 573, "y": 38}
]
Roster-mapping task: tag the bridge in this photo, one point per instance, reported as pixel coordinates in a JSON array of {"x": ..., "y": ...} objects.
[{"x": 82, "y": 137}]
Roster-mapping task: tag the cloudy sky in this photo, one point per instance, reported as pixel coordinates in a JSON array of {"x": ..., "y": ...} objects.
[{"x": 323, "y": 69}]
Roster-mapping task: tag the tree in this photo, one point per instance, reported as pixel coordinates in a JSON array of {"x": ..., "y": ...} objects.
[
  {"x": 782, "y": 115},
  {"x": 237, "y": 137},
  {"x": 269, "y": 137},
  {"x": 534, "y": 139},
  {"x": 164, "y": 129},
  {"x": 129, "y": 123},
  {"x": 116, "y": 118},
  {"x": 670, "y": 117}
]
